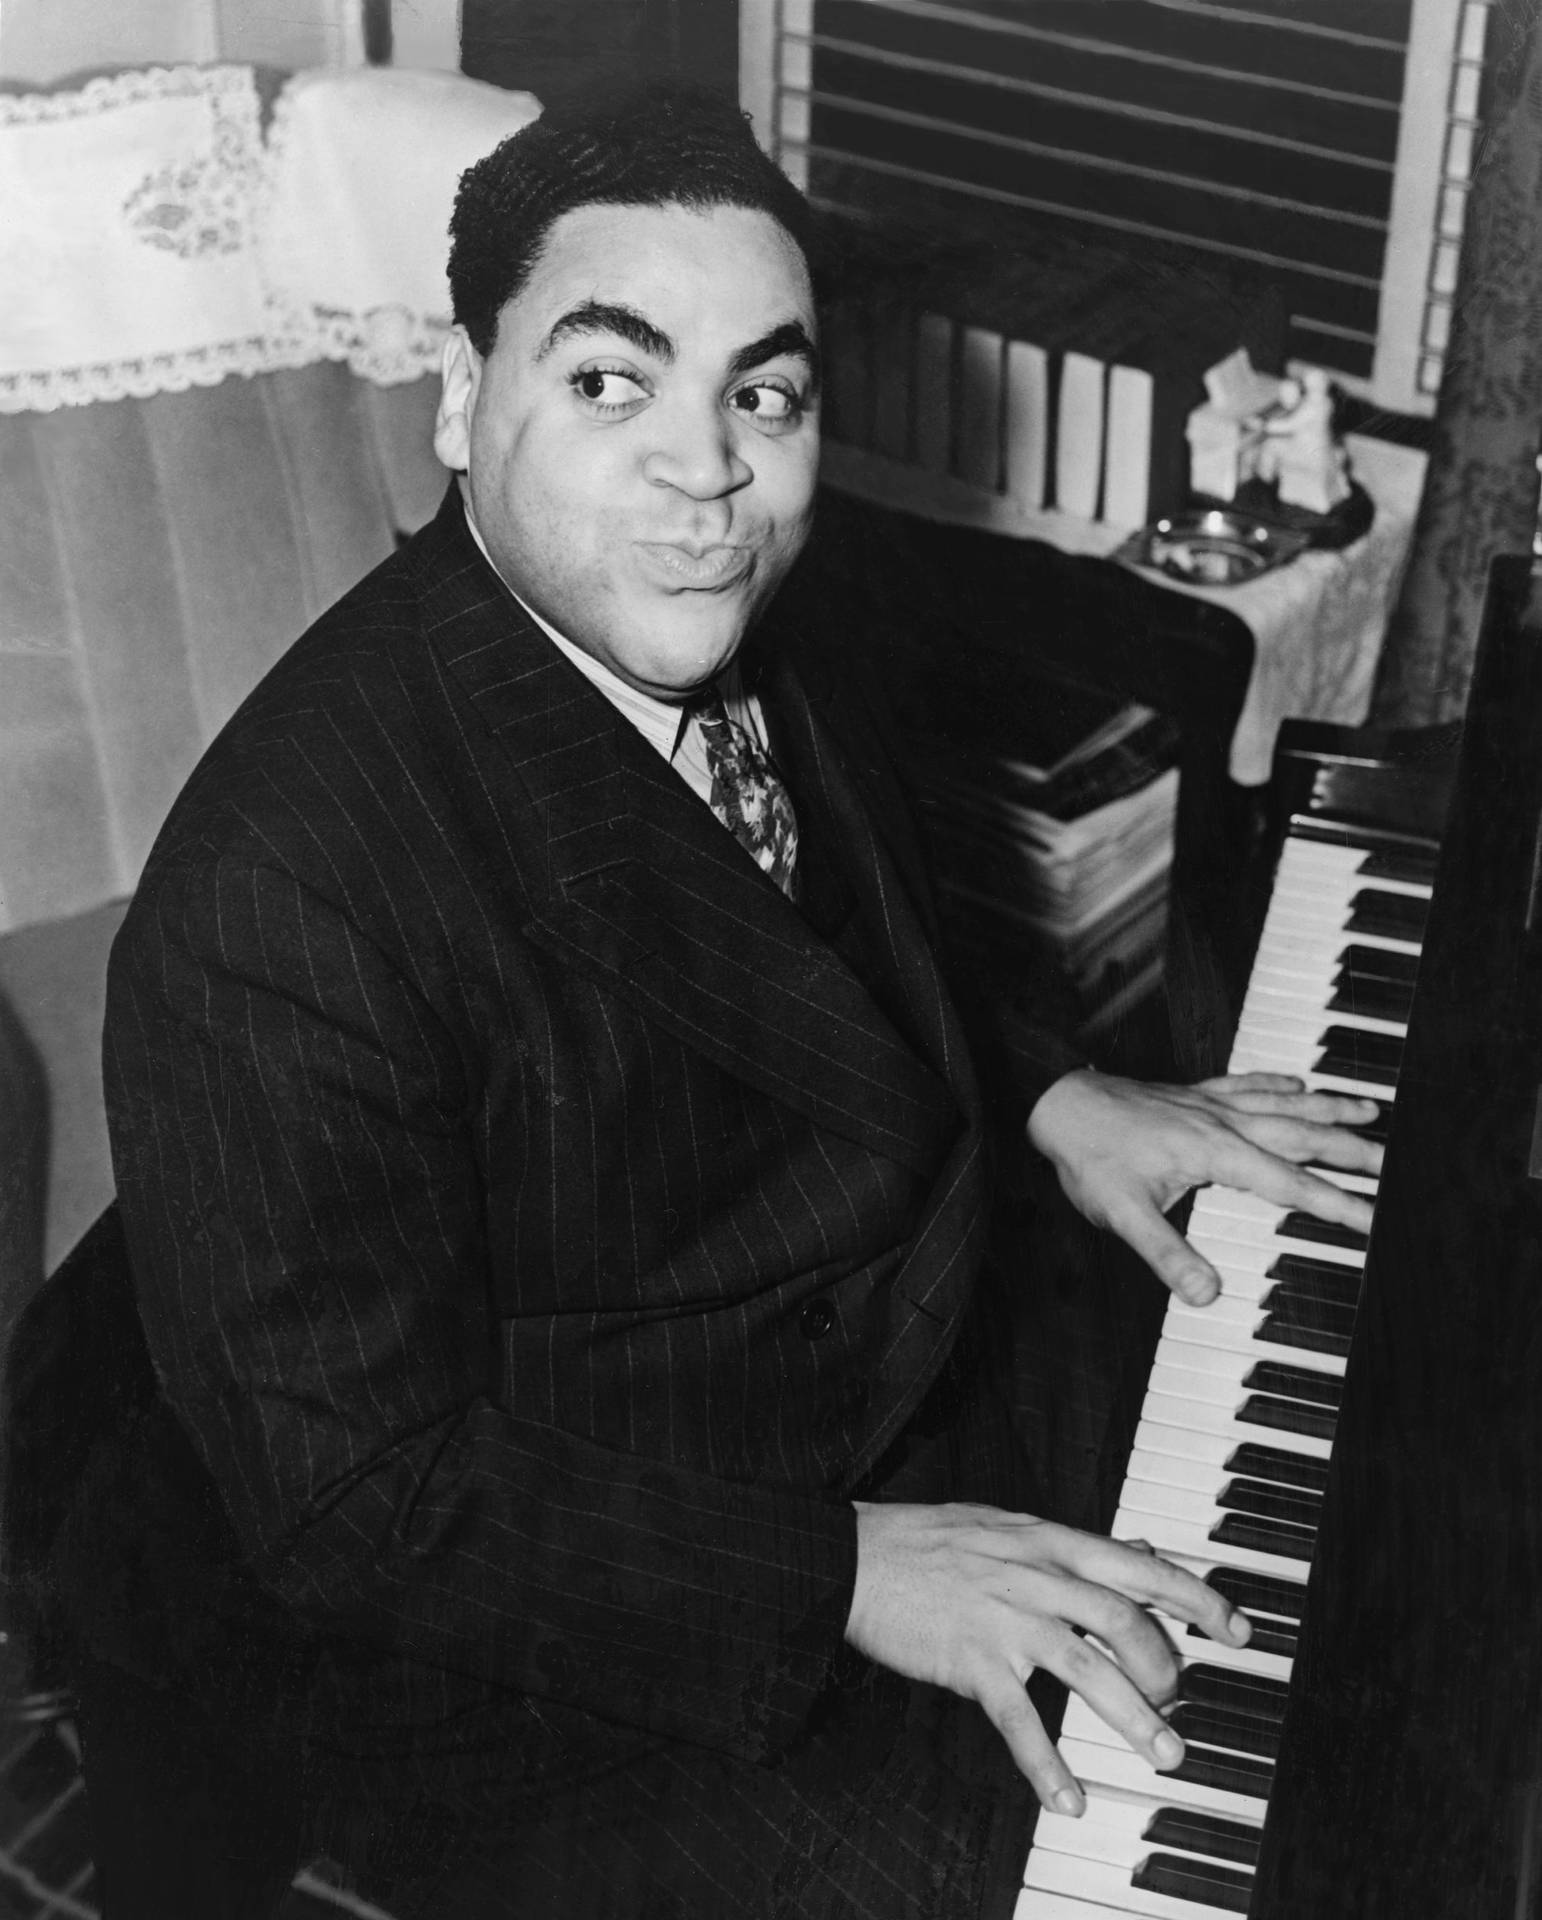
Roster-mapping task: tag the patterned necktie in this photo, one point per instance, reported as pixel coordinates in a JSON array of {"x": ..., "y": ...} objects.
[{"x": 747, "y": 793}]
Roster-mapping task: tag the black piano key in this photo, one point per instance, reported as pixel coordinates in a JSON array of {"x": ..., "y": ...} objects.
[
  {"x": 1264, "y": 1638},
  {"x": 1258, "y": 1593},
  {"x": 1294, "y": 1383},
  {"x": 1263, "y": 1536},
  {"x": 1306, "y": 1307},
  {"x": 1270, "y": 1502},
  {"x": 1373, "y": 999},
  {"x": 1228, "y": 1888},
  {"x": 1233, "y": 1773},
  {"x": 1411, "y": 864},
  {"x": 1391, "y": 916},
  {"x": 1304, "y": 1338},
  {"x": 1326, "y": 1233},
  {"x": 1277, "y": 1466},
  {"x": 1358, "y": 962},
  {"x": 1354, "y": 1054},
  {"x": 1206, "y": 1833},
  {"x": 1218, "y": 1727},
  {"x": 1287, "y": 1416},
  {"x": 1232, "y": 1687},
  {"x": 1317, "y": 1279}
]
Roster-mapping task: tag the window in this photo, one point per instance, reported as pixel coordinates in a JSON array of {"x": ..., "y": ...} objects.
[{"x": 1327, "y": 142}]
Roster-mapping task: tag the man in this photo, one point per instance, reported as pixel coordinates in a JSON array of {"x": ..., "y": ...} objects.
[{"x": 552, "y": 1165}]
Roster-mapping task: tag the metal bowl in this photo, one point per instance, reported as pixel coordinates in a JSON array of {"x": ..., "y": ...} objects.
[{"x": 1214, "y": 547}]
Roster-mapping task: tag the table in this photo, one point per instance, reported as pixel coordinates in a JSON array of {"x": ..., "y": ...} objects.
[{"x": 1318, "y": 621}]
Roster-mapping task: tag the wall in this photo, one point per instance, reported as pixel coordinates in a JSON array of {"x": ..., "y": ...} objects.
[{"x": 42, "y": 40}]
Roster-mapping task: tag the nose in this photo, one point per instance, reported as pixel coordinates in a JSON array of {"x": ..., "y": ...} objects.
[{"x": 695, "y": 451}]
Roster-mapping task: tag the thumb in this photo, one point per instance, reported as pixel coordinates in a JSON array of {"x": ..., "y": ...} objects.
[{"x": 1170, "y": 1257}]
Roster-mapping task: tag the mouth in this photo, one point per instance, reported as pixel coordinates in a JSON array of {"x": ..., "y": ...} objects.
[{"x": 697, "y": 569}]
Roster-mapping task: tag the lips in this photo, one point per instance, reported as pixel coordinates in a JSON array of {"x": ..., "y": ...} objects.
[{"x": 697, "y": 569}]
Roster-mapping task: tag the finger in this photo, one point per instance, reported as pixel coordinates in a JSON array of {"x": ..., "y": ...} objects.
[
  {"x": 1156, "y": 1582},
  {"x": 1012, "y": 1714},
  {"x": 1114, "y": 1696},
  {"x": 1253, "y": 1083},
  {"x": 1330, "y": 1109},
  {"x": 1170, "y": 1257},
  {"x": 1127, "y": 1633},
  {"x": 1252, "y": 1169},
  {"x": 1302, "y": 1140}
]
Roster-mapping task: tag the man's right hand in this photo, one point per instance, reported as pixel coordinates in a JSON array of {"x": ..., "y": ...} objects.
[{"x": 973, "y": 1599}]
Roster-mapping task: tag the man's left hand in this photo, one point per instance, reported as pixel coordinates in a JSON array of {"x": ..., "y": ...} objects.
[{"x": 1127, "y": 1150}]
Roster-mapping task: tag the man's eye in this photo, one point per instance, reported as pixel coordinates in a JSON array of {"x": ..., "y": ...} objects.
[
  {"x": 768, "y": 402},
  {"x": 607, "y": 386}
]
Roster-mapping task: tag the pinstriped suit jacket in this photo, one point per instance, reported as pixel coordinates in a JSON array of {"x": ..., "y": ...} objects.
[{"x": 541, "y": 1226}]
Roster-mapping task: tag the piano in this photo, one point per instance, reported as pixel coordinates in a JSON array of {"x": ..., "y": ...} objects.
[{"x": 1349, "y": 1441}]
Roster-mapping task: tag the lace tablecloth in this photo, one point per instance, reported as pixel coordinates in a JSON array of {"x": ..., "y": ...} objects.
[
  {"x": 1317, "y": 622},
  {"x": 152, "y": 238}
]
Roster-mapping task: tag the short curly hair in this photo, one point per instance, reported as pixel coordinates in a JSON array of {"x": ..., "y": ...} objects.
[{"x": 656, "y": 144}]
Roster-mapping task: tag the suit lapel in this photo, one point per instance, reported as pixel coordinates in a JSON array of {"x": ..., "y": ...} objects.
[
  {"x": 639, "y": 888},
  {"x": 847, "y": 809}
]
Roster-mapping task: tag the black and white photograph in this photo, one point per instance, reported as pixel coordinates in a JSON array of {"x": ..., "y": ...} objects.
[{"x": 770, "y": 959}]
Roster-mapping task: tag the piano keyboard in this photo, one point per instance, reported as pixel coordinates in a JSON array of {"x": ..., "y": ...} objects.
[{"x": 1230, "y": 1458}]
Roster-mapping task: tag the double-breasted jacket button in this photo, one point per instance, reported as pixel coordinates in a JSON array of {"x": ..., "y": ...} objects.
[{"x": 816, "y": 1319}]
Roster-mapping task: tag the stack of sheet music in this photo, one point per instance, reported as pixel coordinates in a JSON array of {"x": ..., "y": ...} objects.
[{"x": 1064, "y": 854}]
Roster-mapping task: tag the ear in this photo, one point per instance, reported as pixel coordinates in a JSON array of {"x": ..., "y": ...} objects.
[{"x": 460, "y": 381}]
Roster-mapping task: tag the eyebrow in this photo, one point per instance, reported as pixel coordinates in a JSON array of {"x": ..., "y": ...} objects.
[
  {"x": 603, "y": 316},
  {"x": 626, "y": 323},
  {"x": 790, "y": 338}
]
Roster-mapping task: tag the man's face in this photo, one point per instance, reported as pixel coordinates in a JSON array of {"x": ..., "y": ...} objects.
[{"x": 640, "y": 445}]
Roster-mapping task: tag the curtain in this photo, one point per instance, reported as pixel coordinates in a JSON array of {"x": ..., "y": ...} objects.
[{"x": 1480, "y": 491}]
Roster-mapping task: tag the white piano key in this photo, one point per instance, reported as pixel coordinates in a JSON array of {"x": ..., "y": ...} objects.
[
  {"x": 1309, "y": 983},
  {"x": 1289, "y": 938},
  {"x": 1211, "y": 1477},
  {"x": 1162, "y": 1440},
  {"x": 1084, "y": 1726},
  {"x": 1218, "y": 1326},
  {"x": 1235, "y": 1306},
  {"x": 1239, "y": 1245},
  {"x": 1091, "y": 1880},
  {"x": 1120, "y": 1766},
  {"x": 1297, "y": 873},
  {"x": 1113, "y": 1830},
  {"x": 1110, "y": 1830},
  {"x": 1150, "y": 1511},
  {"x": 1302, "y": 1041},
  {"x": 1240, "y": 1231},
  {"x": 1254, "y": 1057},
  {"x": 1195, "y": 1506},
  {"x": 1173, "y": 1537},
  {"x": 1318, "y": 880},
  {"x": 1035, "y": 1903},
  {"x": 1214, "y": 1400},
  {"x": 1232, "y": 1203},
  {"x": 1268, "y": 1014},
  {"x": 1247, "y": 1269},
  {"x": 1233, "y": 1361},
  {"x": 1211, "y": 1418},
  {"x": 1194, "y": 1648}
]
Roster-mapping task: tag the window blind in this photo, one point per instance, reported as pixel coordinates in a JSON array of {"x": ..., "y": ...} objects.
[{"x": 1325, "y": 142}]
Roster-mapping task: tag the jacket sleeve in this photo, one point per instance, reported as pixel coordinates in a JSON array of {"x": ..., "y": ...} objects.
[{"x": 292, "y": 1141}]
